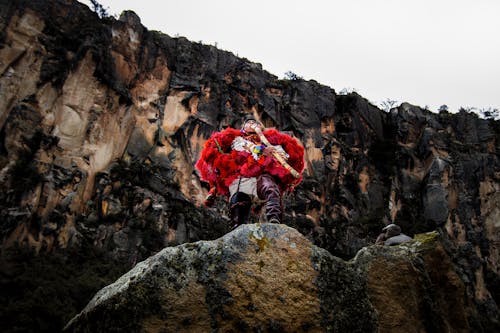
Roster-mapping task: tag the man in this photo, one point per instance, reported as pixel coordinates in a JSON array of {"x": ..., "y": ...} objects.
[
  {"x": 237, "y": 164},
  {"x": 392, "y": 235}
]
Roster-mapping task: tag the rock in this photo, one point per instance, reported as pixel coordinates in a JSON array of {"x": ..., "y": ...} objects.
[
  {"x": 102, "y": 120},
  {"x": 268, "y": 277},
  {"x": 415, "y": 288},
  {"x": 258, "y": 277}
]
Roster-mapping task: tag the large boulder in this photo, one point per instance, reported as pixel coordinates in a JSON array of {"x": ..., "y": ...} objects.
[{"x": 270, "y": 278}]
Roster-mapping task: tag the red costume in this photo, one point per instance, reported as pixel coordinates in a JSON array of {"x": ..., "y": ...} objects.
[
  {"x": 219, "y": 165},
  {"x": 222, "y": 162}
]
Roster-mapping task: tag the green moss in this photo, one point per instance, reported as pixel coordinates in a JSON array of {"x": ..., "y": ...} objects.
[
  {"x": 428, "y": 237},
  {"x": 262, "y": 243},
  {"x": 426, "y": 240}
]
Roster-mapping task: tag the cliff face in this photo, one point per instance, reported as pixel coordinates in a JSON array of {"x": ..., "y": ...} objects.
[{"x": 102, "y": 120}]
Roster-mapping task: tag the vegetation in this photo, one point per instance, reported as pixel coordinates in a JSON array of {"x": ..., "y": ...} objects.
[
  {"x": 388, "y": 104},
  {"x": 347, "y": 91},
  {"x": 291, "y": 76},
  {"x": 443, "y": 108},
  {"x": 485, "y": 113},
  {"x": 42, "y": 293},
  {"x": 99, "y": 9},
  {"x": 489, "y": 113}
]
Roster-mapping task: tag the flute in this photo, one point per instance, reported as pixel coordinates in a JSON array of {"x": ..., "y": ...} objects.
[{"x": 276, "y": 155}]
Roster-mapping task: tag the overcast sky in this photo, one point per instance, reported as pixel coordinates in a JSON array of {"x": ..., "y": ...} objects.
[{"x": 425, "y": 52}]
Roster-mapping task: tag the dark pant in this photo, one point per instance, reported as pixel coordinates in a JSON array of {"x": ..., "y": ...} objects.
[
  {"x": 240, "y": 203},
  {"x": 239, "y": 208},
  {"x": 268, "y": 190}
]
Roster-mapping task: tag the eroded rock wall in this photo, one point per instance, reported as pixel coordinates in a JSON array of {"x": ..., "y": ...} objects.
[{"x": 102, "y": 120}]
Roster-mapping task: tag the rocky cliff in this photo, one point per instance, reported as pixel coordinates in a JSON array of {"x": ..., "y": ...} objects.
[{"x": 101, "y": 121}]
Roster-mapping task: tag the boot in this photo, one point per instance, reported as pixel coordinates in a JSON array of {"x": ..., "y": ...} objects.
[
  {"x": 239, "y": 209},
  {"x": 268, "y": 190}
]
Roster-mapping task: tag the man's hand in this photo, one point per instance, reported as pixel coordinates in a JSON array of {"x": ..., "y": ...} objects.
[{"x": 210, "y": 199}]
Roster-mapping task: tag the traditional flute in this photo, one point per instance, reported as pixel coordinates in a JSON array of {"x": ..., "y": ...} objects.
[{"x": 276, "y": 155}]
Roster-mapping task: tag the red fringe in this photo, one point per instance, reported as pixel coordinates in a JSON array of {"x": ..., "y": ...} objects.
[{"x": 221, "y": 168}]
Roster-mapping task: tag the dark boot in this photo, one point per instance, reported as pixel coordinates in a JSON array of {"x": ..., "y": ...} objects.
[
  {"x": 239, "y": 209},
  {"x": 268, "y": 190}
]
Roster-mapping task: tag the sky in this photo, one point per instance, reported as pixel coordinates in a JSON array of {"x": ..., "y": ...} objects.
[{"x": 425, "y": 52}]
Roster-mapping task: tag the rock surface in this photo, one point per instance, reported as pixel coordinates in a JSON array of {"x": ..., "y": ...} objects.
[
  {"x": 269, "y": 277},
  {"x": 101, "y": 121}
]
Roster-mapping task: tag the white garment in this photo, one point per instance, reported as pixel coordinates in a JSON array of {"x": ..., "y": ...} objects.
[{"x": 245, "y": 185}]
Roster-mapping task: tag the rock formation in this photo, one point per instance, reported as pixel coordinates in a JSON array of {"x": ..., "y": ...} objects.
[
  {"x": 270, "y": 278},
  {"x": 101, "y": 121}
]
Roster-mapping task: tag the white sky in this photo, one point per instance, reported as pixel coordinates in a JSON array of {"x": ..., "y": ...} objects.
[{"x": 425, "y": 52}]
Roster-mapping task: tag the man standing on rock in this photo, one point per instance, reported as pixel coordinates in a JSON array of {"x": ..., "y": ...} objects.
[{"x": 251, "y": 164}]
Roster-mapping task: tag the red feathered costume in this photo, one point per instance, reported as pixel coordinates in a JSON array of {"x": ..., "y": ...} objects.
[{"x": 219, "y": 165}]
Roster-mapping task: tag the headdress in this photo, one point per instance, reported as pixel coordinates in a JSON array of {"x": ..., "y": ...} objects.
[{"x": 247, "y": 118}]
